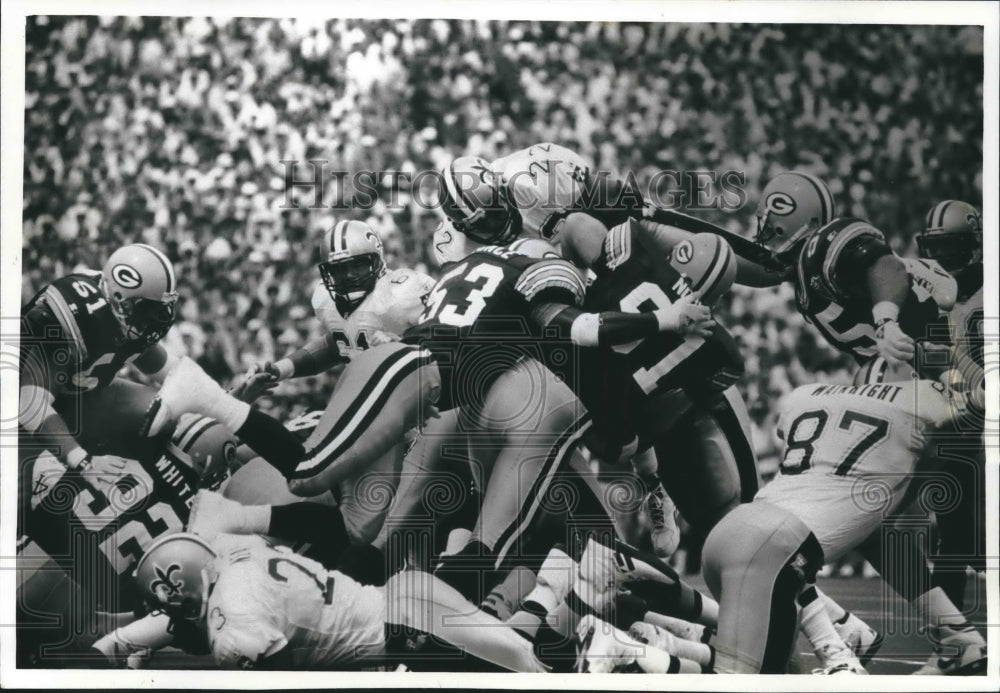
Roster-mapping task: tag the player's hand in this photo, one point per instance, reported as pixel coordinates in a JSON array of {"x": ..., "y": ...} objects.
[
  {"x": 253, "y": 385},
  {"x": 686, "y": 316},
  {"x": 102, "y": 471},
  {"x": 894, "y": 345},
  {"x": 382, "y": 337}
]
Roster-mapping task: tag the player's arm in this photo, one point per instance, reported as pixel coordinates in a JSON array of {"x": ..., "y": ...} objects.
[
  {"x": 156, "y": 362},
  {"x": 317, "y": 356},
  {"x": 755, "y": 265},
  {"x": 132, "y": 644},
  {"x": 868, "y": 262}
]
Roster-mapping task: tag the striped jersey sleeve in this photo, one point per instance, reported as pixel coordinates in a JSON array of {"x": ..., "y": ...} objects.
[
  {"x": 618, "y": 245},
  {"x": 556, "y": 278}
]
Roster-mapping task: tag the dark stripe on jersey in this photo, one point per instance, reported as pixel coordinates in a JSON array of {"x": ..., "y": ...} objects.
[
  {"x": 370, "y": 415},
  {"x": 540, "y": 483}
]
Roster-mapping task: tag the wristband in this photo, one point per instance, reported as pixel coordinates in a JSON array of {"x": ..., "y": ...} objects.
[
  {"x": 77, "y": 458},
  {"x": 885, "y": 311},
  {"x": 285, "y": 368}
]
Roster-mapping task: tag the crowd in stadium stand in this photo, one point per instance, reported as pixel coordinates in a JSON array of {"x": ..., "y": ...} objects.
[{"x": 172, "y": 131}]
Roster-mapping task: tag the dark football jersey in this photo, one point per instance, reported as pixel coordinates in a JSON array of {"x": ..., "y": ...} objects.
[
  {"x": 97, "y": 537},
  {"x": 477, "y": 323},
  {"x": 831, "y": 289},
  {"x": 76, "y": 333},
  {"x": 623, "y": 379}
]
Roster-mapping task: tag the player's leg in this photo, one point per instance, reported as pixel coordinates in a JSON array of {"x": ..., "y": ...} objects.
[
  {"x": 530, "y": 422},
  {"x": 707, "y": 462},
  {"x": 364, "y": 498},
  {"x": 435, "y": 484},
  {"x": 418, "y": 601},
  {"x": 384, "y": 392},
  {"x": 756, "y": 561}
]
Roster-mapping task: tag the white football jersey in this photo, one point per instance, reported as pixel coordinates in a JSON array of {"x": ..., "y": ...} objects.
[
  {"x": 267, "y": 599},
  {"x": 850, "y": 452},
  {"x": 393, "y": 306},
  {"x": 930, "y": 279},
  {"x": 545, "y": 180}
]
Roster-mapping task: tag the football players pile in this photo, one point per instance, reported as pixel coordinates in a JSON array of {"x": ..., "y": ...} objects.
[{"x": 468, "y": 498}]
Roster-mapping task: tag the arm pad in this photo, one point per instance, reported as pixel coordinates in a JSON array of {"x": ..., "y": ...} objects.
[
  {"x": 598, "y": 329},
  {"x": 316, "y": 356}
]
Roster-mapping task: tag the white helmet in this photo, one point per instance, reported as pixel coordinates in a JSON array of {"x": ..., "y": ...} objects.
[
  {"x": 175, "y": 575},
  {"x": 351, "y": 262},
  {"x": 139, "y": 283},
  {"x": 476, "y": 199}
]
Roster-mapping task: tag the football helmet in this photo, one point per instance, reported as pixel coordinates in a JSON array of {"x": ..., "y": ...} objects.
[
  {"x": 205, "y": 445},
  {"x": 535, "y": 248},
  {"x": 351, "y": 262},
  {"x": 448, "y": 245},
  {"x": 953, "y": 235},
  {"x": 792, "y": 205},
  {"x": 476, "y": 200},
  {"x": 709, "y": 264},
  {"x": 175, "y": 575},
  {"x": 139, "y": 284}
]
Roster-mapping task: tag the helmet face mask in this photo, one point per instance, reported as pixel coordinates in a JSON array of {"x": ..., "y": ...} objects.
[
  {"x": 354, "y": 261},
  {"x": 139, "y": 284},
  {"x": 477, "y": 202},
  {"x": 953, "y": 236}
]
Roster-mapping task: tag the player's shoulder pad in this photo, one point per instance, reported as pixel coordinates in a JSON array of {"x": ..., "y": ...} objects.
[
  {"x": 831, "y": 241},
  {"x": 64, "y": 314},
  {"x": 551, "y": 274},
  {"x": 928, "y": 273}
]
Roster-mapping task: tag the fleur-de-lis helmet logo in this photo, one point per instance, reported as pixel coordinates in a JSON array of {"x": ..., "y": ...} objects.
[{"x": 164, "y": 585}]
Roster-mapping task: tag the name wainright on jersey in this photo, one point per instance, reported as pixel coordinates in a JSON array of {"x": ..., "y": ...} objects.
[
  {"x": 393, "y": 306},
  {"x": 850, "y": 452}
]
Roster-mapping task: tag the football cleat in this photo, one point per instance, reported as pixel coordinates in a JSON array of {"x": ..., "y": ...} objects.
[
  {"x": 663, "y": 532},
  {"x": 213, "y": 514},
  {"x": 863, "y": 640},
  {"x": 602, "y": 649},
  {"x": 838, "y": 660},
  {"x": 960, "y": 654},
  {"x": 187, "y": 388}
]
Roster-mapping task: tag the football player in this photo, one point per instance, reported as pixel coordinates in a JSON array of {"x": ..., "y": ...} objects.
[
  {"x": 92, "y": 537},
  {"x": 850, "y": 452},
  {"x": 361, "y": 303},
  {"x": 953, "y": 238},
  {"x": 76, "y": 335},
  {"x": 849, "y": 285},
  {"x": 265, "y": 607}
]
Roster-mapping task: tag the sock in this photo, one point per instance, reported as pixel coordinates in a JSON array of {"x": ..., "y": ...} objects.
[
  {"x": 503, "y": 599},
  {"x": 817, "y": 626},
  {"x": 226, "y": 409},
  {"x": 257, "y": 519},
  {"x": 271, "y": 440},
  {"x": 936, "y": 610},
  {"x": 656, "y": 661},
  {"x": 835, "y": 611},
  {"x": 528, "y": 619},
  {"x": 646, "y": 467}
]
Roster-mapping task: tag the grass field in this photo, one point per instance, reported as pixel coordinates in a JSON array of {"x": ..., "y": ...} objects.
[{"x": 903, "y": 651}]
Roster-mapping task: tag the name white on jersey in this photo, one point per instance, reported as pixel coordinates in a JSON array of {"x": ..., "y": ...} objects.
[
  {"x": 393, "y": 306},
  {"x": 268, "y": 599},
  {"x": 545, "y": 179}
]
